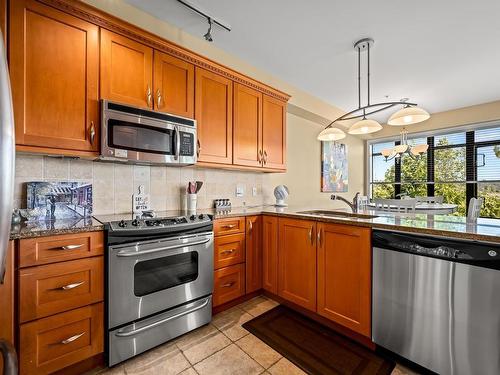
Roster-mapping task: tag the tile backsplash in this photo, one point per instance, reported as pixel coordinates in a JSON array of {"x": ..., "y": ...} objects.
[{"x": 114, "y": 183}]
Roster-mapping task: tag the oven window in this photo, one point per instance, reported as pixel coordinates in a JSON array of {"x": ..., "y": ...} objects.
[
  {"x": 141, "y": 138},
  {"x": 153, "y": 275}
]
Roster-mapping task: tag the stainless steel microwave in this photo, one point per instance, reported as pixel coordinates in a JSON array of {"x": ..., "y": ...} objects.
[{"x": 136, "y": 135}]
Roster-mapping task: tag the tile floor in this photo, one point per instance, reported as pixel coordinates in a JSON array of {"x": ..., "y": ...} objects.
[{"x": 221, "y": 347}]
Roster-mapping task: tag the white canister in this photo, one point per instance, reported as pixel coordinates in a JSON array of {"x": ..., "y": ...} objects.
[{"x": 191, "y": 202}]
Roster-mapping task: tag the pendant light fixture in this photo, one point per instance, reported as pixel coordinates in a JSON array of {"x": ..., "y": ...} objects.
[
  {"x": 409, "y": 114},
  {"x": 398, "y": 151}
]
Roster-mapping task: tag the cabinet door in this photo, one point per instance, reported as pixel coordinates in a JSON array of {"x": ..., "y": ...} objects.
[
  {"x": 7, "y": 298},
  {"x": 126, "y": 70},
  {"x": 247, "y": 129},
  {"x": 297, "y": 262},
  {"x": 214, "y": 114},
  {"x": 274, "y": 133},
  {"x": 253, "y": 253},
  {"x": 270, "y": 253},
  {"x": 54, "y": 62},
  {"x": 344, "y": 276},
  {"x": 173, "y": 85}
]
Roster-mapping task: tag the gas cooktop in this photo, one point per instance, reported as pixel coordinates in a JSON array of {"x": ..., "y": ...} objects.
[{"x": 155, "y": 224}]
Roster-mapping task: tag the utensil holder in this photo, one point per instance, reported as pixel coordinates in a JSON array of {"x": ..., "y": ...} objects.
[{"x": 191, "y": 201}]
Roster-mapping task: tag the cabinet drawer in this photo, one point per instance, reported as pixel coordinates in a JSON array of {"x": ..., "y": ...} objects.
[
  {"x": 229, "y": 226},
  {"x": 229, "y": 250},
  {"x": 50, "y": 289},
  {"x": 53, "y": 343},
  {"x": 229, "y": 284},
  {"x": 43, "y": 250}
]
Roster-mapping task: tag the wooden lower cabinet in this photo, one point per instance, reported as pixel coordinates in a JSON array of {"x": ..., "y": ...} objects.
[
  {"x": 229, "y": 284},
  {"x": 50, "y": 344},
  {"x": 229, "y": 250},
  {"x": 7, "y": 293},
  {"x": 297, "y": 262},
  {"x": 270, "y": 253},
  {"x": 344, "y": 275},
  {"x": 253, "y": 253},
  {"x": 53, "y": 288}
]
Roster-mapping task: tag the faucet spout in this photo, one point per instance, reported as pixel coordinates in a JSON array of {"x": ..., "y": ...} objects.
[{"x": 353, "y": 205}]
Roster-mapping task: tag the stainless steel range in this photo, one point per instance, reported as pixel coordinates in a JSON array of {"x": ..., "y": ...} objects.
[{"x": 160, "y": 281}]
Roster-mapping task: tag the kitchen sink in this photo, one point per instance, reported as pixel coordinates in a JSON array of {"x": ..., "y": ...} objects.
[{"x": 337, "y": 214}]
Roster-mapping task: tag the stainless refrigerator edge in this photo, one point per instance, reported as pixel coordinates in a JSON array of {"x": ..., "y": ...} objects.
[{"x": 7, "y": 157}]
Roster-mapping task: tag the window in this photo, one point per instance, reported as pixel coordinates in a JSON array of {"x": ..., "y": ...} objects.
[{"x": 458, "y": 165}]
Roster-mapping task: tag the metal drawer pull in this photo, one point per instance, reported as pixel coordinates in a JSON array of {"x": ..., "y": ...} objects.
[
  {"x": 71, "y": 286},
  {"x": 228, "y": 285},
  {"x": 178, "y": 246},
  {"x": 71, "y": 339},
  {"x": 225, "y": 252},
  {"x": 70, "y": 247},
  {"x": 125, "y": 333},
  {"x": 229, "y": 226}
]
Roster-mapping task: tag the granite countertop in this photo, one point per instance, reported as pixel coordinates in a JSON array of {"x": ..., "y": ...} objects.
[
  {"x": 55, "y": 227},
  {"x": 436, "y": 225}
]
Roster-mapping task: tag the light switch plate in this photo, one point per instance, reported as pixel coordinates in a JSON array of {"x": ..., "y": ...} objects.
[{"x": 240, "y": 190}]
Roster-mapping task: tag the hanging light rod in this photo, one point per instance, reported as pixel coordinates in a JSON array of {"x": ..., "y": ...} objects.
[
  {"x": 407, "y": 115},
  {"x": 203, "y": 13}
]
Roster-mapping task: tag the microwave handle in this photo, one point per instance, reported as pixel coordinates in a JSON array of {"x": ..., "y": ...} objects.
[{"x": 177, "y": 135}]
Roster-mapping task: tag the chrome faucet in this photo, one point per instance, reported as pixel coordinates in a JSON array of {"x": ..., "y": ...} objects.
[{"x": 353, "y": 205}]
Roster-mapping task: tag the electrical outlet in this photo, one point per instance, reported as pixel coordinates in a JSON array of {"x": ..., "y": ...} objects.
[
  {"x": 254, "y": 191},
  {"x": 240, "y": 190}
]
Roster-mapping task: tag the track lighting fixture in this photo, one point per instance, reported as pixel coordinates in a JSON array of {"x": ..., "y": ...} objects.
[{"x": 208, "y": 35}]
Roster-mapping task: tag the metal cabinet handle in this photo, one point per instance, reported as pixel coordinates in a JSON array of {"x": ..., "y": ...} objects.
[
  {"x": 148, "y": 96},
  {"x": 92, "y": 132},
  {"x": 128, "y": 253},
  {"x": 71, "y": 339},
  {"x": 226, "y": 252},
  {"x": 228, "y": 285},
  {"x": 198, "y": 148},
  {"x": 265, "y": 157},
  {"x": 71, "y": 286},
  {"x": 126, "y": 332},
  {"x": 319, "y": 236},
  {"x": 68, "y": 247},
  {"x": 311, "y": 235},
  {"x": 229, "y": 226},
  {"x": 250, "y": 226},
  {"x": 158, "y": 98},
  {"x": 259, "y": 157}
]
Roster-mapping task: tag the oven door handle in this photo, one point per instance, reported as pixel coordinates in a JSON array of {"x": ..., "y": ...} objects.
[
  {"x": 127, "y": 333},
  {"x": 123, "y": 253}
]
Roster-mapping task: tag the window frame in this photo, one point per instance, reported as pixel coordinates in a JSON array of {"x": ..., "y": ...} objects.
[{"x": 471, "y": 146}]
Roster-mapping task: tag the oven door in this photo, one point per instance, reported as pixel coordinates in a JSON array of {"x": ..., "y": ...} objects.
[
  {"x": 147, "y": 277},
  {"x": 128, "y": 137}
]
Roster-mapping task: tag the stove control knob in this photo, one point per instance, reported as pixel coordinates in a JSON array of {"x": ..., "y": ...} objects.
[
  {"x": 122, "y": 224},
  {"x": 192, "y": 217},
  {"x": 135, "y": 223},
  {"x": 201, "y": 217}
]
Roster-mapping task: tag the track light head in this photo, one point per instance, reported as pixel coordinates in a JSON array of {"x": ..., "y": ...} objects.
[{"x": 208, "y": 35}]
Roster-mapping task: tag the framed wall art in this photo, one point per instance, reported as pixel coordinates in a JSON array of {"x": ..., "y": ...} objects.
[{"x": 334, "y": 167}]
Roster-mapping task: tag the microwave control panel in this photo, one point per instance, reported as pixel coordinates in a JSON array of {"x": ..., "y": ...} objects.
[{"x": 187, "y": 144}]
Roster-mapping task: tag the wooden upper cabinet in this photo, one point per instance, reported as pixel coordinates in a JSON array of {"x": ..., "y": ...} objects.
[
  {"x": 126, "y": 70},
  {"x": 274, "y": 133},
  {"x": 344, "y": 276},
  {"x": 247, "y": 127},
  {"x": 270, "y": 253},
  {"x": 173, "y": 85},
  {"x": 253, "y": 253},
  {"x": 54, "y": 69},
  {"x": 214, "y": 114},
  {"x": 297, "y": 262}
]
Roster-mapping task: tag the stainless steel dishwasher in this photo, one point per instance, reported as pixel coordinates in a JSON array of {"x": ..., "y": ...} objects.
[{"x": 436, "y": 302}]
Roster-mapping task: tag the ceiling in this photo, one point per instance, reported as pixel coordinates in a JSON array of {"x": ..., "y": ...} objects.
[{"x": 440, "y": 54}]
